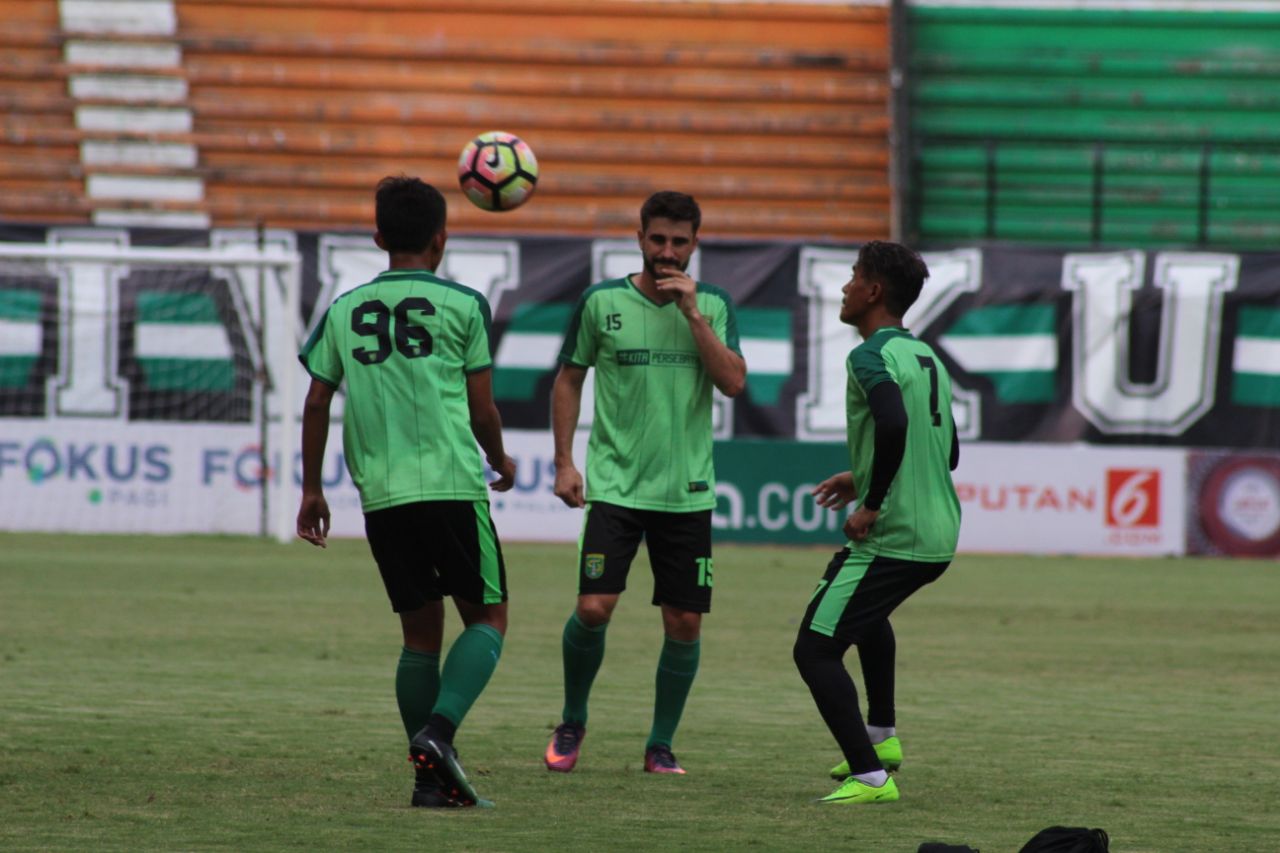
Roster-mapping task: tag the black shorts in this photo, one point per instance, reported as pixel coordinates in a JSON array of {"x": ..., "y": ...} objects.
[
  {"x": 859, "y": 590},
  {"x": 679, "y": 552},
  {"x": 430, "y": 549}
]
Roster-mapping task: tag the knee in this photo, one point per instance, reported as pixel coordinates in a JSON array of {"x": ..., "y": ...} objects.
[
  {"x": 811, "y": 650},
  {"x": 593, "y": 613},
  {"x": 682, "y": 625}
]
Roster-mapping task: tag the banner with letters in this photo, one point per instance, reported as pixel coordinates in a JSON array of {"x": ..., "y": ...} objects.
[{"x": 1120, "y": 349}]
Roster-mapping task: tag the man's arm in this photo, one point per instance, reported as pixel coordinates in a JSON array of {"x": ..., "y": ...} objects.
[
  {"x": 313, "y": 512},
  {"x": 890, "y": 416},
  {"x": 486, "y": 426},
  {"x": 955, "y": 446},
  {"x": 727, "y": 369},
  {"x": 566, "y": 401}
]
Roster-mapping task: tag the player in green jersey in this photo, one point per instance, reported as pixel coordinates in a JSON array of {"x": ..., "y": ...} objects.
[
  {"x": 413, "y": 350},
  {"x": 903, "y": 532},
  {"x": 659, "y": 343}
]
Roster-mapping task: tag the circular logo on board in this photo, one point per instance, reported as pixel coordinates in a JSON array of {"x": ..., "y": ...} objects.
[{"x": 1240, "y": 506}]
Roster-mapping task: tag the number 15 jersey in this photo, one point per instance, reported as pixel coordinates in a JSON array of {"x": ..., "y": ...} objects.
[
  {"x": 650, "y": 445},
  {"x": 404, "y": 344}
]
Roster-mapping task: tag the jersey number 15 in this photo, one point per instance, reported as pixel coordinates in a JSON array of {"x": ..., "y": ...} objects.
[{"x": 373, "y": 319}]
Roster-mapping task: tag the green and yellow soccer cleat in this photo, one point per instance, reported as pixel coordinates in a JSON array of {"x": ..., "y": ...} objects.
[
  {"x": 889, "y": 751},
  {"x": 853, "y": 791}
]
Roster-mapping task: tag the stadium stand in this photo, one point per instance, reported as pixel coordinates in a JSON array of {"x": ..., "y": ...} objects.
[
  {"x": 285, "y": 112},
  {"x": 1106, "y": 127}
]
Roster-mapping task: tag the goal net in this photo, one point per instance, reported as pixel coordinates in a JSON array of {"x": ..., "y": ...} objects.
[{"x": 142, "y": 389}]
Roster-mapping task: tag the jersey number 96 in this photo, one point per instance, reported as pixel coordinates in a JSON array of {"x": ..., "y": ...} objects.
[{"x": 374, "y": 319}]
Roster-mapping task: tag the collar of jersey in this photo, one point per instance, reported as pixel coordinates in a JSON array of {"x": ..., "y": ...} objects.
[
  {"x": 631, "y": 284},
  {"x": 403, "y": 274}
]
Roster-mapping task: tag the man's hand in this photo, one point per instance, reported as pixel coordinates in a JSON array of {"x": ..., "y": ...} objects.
[
  {"x": 836, "y": 492},
  {"x": 313, "y": 518},
  {"x": 506, "y": 471},
  {"x": 684, "y": 290},
  {"x": 568, "y": 486},
  {"x": 858, "y": 525}
]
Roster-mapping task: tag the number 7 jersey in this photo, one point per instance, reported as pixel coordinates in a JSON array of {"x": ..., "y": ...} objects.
[
  {"x": 404, "y": 344},
  {"x": 920, "y": 517}
]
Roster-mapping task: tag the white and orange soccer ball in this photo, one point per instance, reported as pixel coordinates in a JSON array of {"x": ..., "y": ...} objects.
[{"x": 497, "y": 171}]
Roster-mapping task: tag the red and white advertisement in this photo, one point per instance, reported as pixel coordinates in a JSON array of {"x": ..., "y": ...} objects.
[{"x": 1071, "y": 499}]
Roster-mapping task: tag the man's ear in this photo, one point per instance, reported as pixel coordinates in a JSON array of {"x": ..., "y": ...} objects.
[
  {"x": 378, "y": 241},
  {"x": 438, "y": 241}
]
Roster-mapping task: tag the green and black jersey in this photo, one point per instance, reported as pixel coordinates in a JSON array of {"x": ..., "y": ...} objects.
[
  {"x": 650, "y": 444},
  {"x": 404, "y": 343},
  {"x": 920, "y": 517}
]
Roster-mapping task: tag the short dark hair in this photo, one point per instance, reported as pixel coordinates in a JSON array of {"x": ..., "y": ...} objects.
[
  {"x": 668, "y": 204},
  {"x": 898, "y": 269},
  {"x": 409, "y": 213}
]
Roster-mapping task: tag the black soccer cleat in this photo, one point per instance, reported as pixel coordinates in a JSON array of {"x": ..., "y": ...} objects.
[{"x": 435, "y": 759}]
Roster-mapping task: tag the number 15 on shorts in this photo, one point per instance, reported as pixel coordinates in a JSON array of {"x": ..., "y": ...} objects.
[{"x": 704, "y": 571}]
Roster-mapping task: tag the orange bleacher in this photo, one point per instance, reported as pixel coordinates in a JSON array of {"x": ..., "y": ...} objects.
[{"x": 774, "y": 116}]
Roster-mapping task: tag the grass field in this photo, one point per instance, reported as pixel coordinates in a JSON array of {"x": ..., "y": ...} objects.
[{"x": 218, "y": 693}]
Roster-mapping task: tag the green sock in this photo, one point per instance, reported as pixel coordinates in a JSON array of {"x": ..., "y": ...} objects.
[
  {"x": 677, "y": 667},
  {"x": 417, "y": 685},
  {"x": 583, "y": 651},
  {"x": 467, "y": 668}
]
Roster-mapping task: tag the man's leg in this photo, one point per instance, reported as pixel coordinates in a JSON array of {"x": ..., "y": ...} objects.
[
  {"x": 418, "y": 671},
  {"x": 820, "y": 661},
  {"x": 680, "y": 554},
  {"x": 583, "y": 643},
  {"x": 469, "y": 560},
  {"x": 877, "y": 653},
  {"x": 610, "y": 537},
  {"x": 467, "y": 669},
  {"x": 677, "y": 668},
  {"x": 470, "y": 663}
]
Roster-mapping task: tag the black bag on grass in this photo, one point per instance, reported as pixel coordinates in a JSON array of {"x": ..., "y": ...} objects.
[{"x": 1068, "y": 839}]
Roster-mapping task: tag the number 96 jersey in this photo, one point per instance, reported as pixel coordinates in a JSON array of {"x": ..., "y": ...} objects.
[{"x": 404, "y": 344}]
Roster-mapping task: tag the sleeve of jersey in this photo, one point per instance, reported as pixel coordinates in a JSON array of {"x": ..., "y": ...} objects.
[
  {"x": 579, "y": 348},
  {"x": 319, "y": 355},
  {"x": 479, "y": 354},
  {"x": 867, "y": 368},
  {"x": 725, "y": 324}
]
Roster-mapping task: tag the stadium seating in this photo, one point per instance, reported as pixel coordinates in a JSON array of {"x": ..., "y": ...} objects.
[{"x": 285, "y": 112}]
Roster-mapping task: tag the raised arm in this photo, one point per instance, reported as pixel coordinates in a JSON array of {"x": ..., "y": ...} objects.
[{"x": 727, "y": 369}]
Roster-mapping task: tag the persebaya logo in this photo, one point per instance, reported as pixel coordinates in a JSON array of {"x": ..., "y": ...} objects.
[
  {"x": 593, "y": 565},
  {"x": 656, "y": 358}
]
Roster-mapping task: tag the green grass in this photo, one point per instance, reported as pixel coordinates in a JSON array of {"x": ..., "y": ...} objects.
[{"x": 217, "y": 693}]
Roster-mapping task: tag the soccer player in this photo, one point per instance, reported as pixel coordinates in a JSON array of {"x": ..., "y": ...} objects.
[
  {"x": 414, "y": 352},
  {"x": 659, "y": 342},
  {"x": 903, "y": 532}
]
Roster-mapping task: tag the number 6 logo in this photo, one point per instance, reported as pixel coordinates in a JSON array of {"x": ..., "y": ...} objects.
[{"x": 1133, "y": 497}]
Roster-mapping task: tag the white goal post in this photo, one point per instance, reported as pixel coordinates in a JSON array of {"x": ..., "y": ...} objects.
[{"x": 137, "y": 384}]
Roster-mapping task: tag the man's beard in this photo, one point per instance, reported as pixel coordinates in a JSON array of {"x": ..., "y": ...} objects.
[{"x": 651, "y": 267}]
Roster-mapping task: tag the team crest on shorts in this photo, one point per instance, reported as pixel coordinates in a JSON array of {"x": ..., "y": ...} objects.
[{"x": 593, "y": 565}]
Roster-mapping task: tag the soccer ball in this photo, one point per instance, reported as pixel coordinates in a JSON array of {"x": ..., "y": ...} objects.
[{"x": 497, "y": 171}]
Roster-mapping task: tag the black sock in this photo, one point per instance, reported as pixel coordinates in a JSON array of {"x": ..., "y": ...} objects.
[{"x": 441, "y": 727}]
